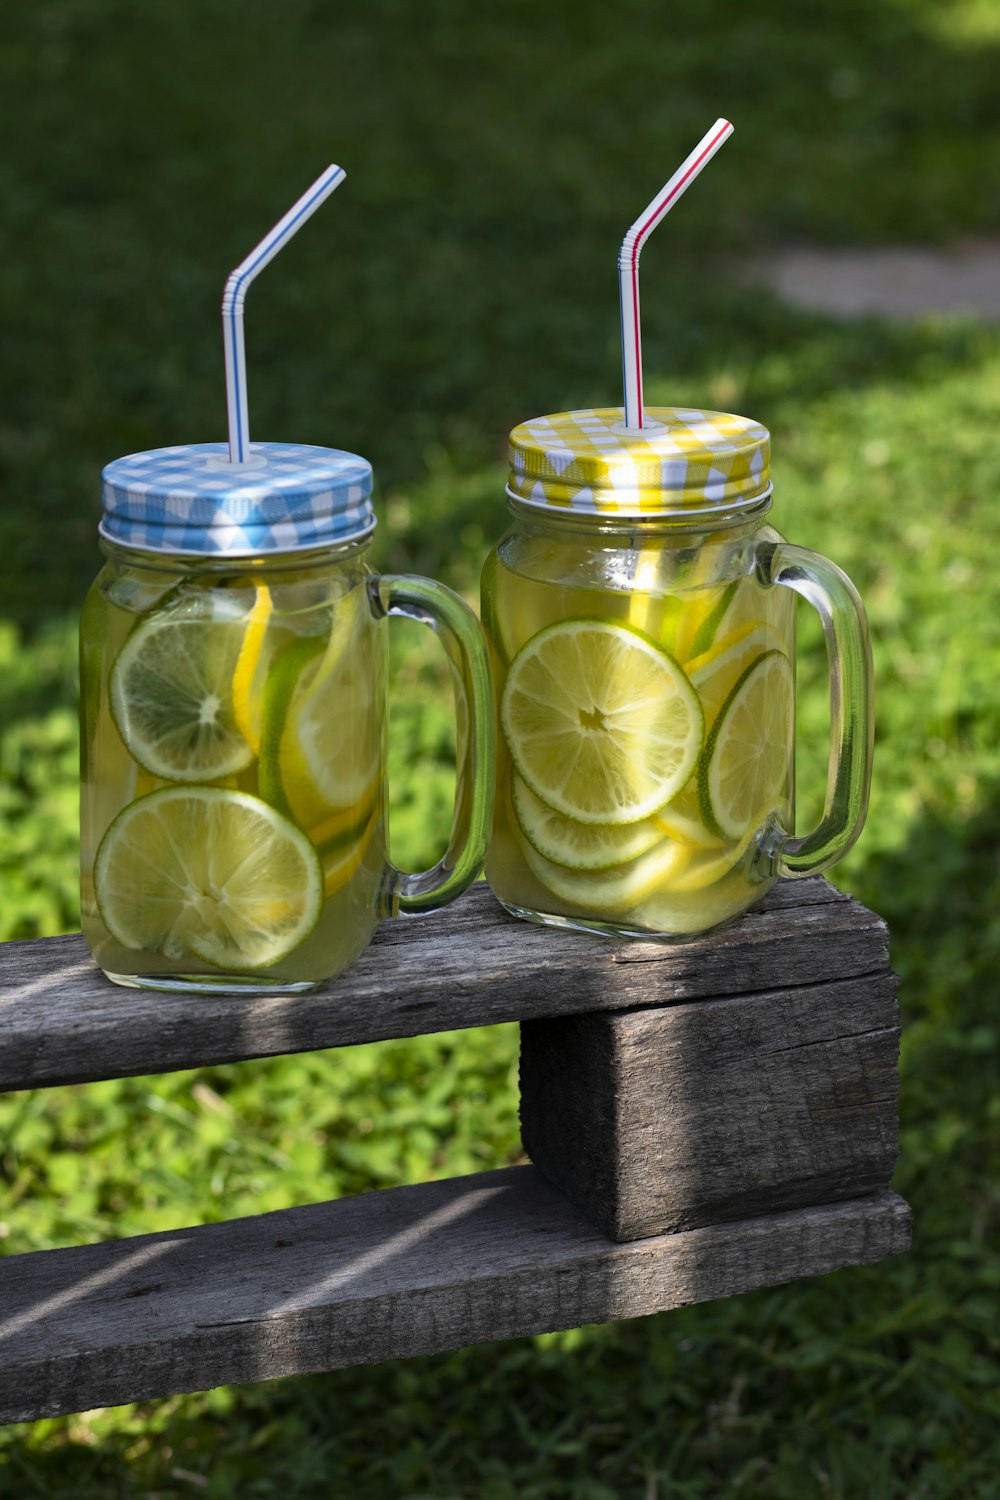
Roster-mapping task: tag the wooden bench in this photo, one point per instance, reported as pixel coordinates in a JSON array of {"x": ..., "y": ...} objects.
[{"x": 704, "y": 1119}]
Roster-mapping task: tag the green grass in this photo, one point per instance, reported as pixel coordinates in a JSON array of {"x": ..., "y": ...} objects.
[{"x": 462, "y": 279}]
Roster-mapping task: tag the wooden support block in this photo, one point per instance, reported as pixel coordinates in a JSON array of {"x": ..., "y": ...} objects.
[
  {"x": 414, "y": 1270},
  {"x": 664, "y": 1118}
]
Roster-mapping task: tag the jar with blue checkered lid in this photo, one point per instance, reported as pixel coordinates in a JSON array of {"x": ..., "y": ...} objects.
[
  {"x": 233, "y": 803},
  {"x": 641, "y": 616}
]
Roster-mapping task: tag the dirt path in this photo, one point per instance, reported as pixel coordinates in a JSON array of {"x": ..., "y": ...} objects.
[{"x": 897, "y": 282}]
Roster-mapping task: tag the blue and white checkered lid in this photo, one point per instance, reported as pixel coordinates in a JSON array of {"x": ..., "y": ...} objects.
[{"x": 191, "y": 499}]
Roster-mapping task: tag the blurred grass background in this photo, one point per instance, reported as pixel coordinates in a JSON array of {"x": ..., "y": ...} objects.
[{"x": 462, "y": 280}]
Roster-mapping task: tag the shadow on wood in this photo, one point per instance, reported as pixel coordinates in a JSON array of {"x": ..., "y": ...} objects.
[
  {"x": 406, "y": 1271},
  {"x": 739, "y": 1082}
]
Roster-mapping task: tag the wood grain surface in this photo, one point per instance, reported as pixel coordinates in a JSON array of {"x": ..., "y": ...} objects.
[
  {"x": 61, "y": 1021},
  {"x": 658, "y": 1119},
  {"x": 407, "y": 1271}
]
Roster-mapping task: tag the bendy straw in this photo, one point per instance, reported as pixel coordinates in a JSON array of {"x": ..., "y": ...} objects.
[
  {"x": 234, "y": 297},
  {"x": 628, "y": 263}
]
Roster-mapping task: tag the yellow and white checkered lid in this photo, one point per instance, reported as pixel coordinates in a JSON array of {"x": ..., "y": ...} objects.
[{"x": 682, "y": 462}]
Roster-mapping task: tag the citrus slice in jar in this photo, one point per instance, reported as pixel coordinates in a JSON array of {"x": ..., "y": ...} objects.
[
  {"x": 209, "y": 874},
  {"x": 579, "y": 846},
  {"x": 704, "y": 610},
  {"x": 250, "y": 672},
  {"x": 601, "y": 723},
  {"x": 342, "y": 861},
  {"x": 612, "y": 892},
  {"x": 745, "y": 767},
  {"x": 320, "y": 745},
  {"x": 171, "y": 688},
  {"x": 714, "y": 673},
  {"x": 682, "y": 819}
]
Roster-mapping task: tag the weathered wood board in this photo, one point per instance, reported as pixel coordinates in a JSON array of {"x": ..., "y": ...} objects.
[
  {"x": 407, "y": 1271},
  {"x": 61, "y": 1021},
  {"x": 658, "y": 1119}
]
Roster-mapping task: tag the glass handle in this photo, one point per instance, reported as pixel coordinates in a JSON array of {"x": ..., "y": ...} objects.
[
  {"x": 458, "y": 629},
  {"x": 835, "y": 599}
]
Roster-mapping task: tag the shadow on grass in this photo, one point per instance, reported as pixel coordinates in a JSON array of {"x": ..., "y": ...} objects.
[{"x": 466, "y": 278}]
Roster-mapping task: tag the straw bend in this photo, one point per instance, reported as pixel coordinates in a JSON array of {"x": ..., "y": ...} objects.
[
  {"x": 234, "y": 299},
  {"x": 628, "y": 263}
]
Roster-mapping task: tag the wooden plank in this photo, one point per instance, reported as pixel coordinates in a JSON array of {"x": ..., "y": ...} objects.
[
  {"x": 61, "y": 1021},
  {"x": 414, "y": 1270},
  {"x": 663, "y": 1119}
]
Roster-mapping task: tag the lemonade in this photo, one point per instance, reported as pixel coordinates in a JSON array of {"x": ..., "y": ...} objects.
[
  {"x": 645, "y": 698},
  {"x": 641, "y": 614},
  {"x": 232, "y": 801}
]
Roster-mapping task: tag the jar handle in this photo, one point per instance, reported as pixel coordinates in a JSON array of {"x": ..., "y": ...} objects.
[
  {"x": 452, "y": 620},
  {"x": 836, "y": 601}
]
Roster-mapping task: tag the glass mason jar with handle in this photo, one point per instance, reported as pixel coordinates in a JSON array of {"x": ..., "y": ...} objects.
[
  {"x": 641, "y": 616},
  {"x": 233, "y": 800}
]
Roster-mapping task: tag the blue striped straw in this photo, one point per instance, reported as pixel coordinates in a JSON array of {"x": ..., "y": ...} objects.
[
  {"x": 234, "y": 297},
  {"x": 628, "y": 264}
]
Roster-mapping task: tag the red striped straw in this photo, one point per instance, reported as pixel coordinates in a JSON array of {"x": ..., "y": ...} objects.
[
  {"x": 234, "y": 296},
  {"x": 628, "y": 263}
]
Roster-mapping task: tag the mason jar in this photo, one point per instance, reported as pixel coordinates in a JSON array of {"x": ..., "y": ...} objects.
[
  {"x": 233, "y": 699},
  {"x": 641, "y": 615}
]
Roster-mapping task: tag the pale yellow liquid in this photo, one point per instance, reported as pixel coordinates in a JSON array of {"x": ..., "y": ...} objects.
[
  {"x": 350, "y": 838},
  {"x": 694, "y": 879}
]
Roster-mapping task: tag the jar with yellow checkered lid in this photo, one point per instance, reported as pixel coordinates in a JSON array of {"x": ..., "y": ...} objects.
[{"x": 641, "y": 613}]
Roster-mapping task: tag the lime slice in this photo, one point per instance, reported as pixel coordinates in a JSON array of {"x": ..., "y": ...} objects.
[
  {"x": 714, "y": 674},
  {"x": 611, "y": 892},
  {"x": 744, "y": 770},
  {"x": 205, "y": 872},
  {"x": 602, "y": 725},
  {"x": 251, "y": 668},
  {"x": 579, "y": 846},
  {"x": 171, "y": 688},
  {"x": 321, "y": 726}
]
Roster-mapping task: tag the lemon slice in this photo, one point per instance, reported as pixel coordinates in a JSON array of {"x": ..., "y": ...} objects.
[
  {"x": 251, "y": 668},
  {"x": 208, "y": 873},
  {"x": 682, "y": 820},
  {"x": 579, "y": 846},
  {"x": 282, "y": 684},
  {"x": 744, "y": 771},
  {"x": 342, "y": 861},
  {"x": 708, "y": 866},
  {"x": 683, "y": 914},
  {"x": 611, "y": 892},
  {"x": 601, "y": 723},
  {"x": 714, "y": 673},
  {"x": 171, "y": 688},
  {"x": 652, "y": 607},
  {"x": 738, "y": 608},
  {"x": 703, "y": 613},
  {"x": 321, "y": 725}
]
